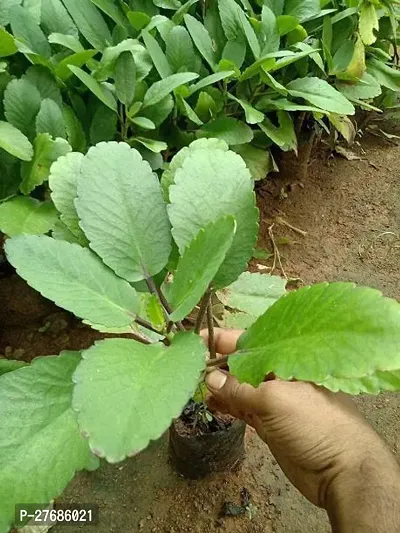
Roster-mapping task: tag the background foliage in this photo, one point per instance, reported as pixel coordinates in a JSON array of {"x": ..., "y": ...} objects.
[{"x": 158, "y": 74}]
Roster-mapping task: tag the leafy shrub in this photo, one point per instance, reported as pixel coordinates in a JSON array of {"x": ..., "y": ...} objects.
[
  {"x": 150, "y": 262},
  {"x": 159, "y": 74}
]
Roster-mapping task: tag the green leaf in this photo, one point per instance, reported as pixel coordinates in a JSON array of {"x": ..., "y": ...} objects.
[
  {"x": 45, "y": 82},
  {"x": 50, "y": 119},
  {"x": 177, "y": 18},
  {"x": 234, "y": 52},
  {"x": 128, "y": 227},
  {"x": 144, "y": 123},
  {"x": 95, "y": 87},
  {"x": 199, "y": 264},
  {"x": 160, "y": 89},
  {"x": 383, "y": 74},
  {"x": 367, "y": 88},
  {"x": 202, "y": 40},
  {"x": 107, "y": 64},
  {"x": 78, "y": 59},
  {"x": 63, "y": 182},
  {"x": 46, "y": 151},
  {"x": 68, "y": 41},
  {"x": 14, "y": 142},
  {"x": 157, "y": 55},
  {"x": 368, "y": 22},
  {"x": 187, "y": 111},
  {"x": 26, "y": 215},
  {"x": 125, "y": 78},
  {"x": 123, "y": 392},
  {"x": 270, "y": 29},
  {"x": 333, "y": 330},
  {"x": 302, "y": 9},
  {"x": 113, "y": 10},
  {"x": 203, "y": 177},
  {"x": 154, "y": 312},
  {"x": 55, "y": 18},
  {"x": 5, "y": 7},
  {"x": 26, "y": 29},
  {"x": 231, "y": 24},
  {"x": 252, "y": 115},
  {"x": 319, "y": 93},
  {"x": 152, "y": 144},
  {"x": 249, "y": 34},
  {"x": 372, "y": 384},
  {"x": 210, "y": 80},
  {"x": 283, "y": 135},
  {"x": 258, "y": 161},
  {"x": 89, "y": 22},
  {"x": 7, "y": 45},
  {"x": 21, "y": 104},
  {"x": 75, "y": 133},
  {"x": 74, "y": 278},
  {"x": 262, "y": 253},
  {"x": 9, "y": 365},
  {"x": 286, "y": 23},
  {"x": 253, "y": 293},
  {"x": 38, "y": 423},
  {"x": 104, "y": 125},
  {"x": 230, "y": 130},
  {"x": 179, "y": 50}
]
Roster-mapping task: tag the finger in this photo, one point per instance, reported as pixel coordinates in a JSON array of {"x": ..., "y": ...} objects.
[
  {"x": 225, "y": 339},
  {"x": 237, "y": 397}
]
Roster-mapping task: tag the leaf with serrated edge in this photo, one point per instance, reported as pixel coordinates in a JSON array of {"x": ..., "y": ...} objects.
[
  {"x": 38, "y": 423},
  {"x": 253, "y": 293},
  {"x": 209, "y": 184},
  {"x": 14, "y": 142},
  {"x": 21, "y": 105},
  {"x": 199, "y": 264},
  {"x": 123, "y": 393},
  {"x": 371, "y": 384},
  {"x": 326, "y": 331},
  {"x": 46, "y": 152},
  {"x": 74, "y": 278},
  {"x": 122, "y": 211},
  {"x": 63, "y": 182},
  {"x": 26, "y": 215}
]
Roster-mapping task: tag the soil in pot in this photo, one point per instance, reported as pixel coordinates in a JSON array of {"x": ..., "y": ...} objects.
[{"x": 200, "y": 443}]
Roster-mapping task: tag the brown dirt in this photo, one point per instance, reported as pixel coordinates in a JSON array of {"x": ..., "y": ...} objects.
[{"x": 351, "y": 213}]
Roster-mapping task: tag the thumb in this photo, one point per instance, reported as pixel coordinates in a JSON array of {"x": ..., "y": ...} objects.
[{"x": 227, "y": 390}]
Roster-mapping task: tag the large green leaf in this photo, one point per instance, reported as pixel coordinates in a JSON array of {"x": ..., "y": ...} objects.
[
  {"x": 46, "y": 151},
  {"x": 77, "y": 59},
  {"x": 368, "y": 22},
  {"x": 142, "y": 58},
  {"x": 14, "y": 142},
  {"x": 126, "y": 394},
  {"x": 258, "y": 160},
  {"x": 26, "y": 29},
  {"x": 104, "y": 125},
  {"x": 157, "y": 55},
  {"x": 180, "y": 52},
  {"x": 206, "y": 176},
  {"x": 26, "y": 215},
  {"x": 74, "y": 278},
  {"x": 9, "y": 365},
  {"x": 253, "y": 293},
  {"x": 199, "y": 264},
  {"x": 45, "y": 82},
  {"x": 38, "y": 423},
  {"x": 160, "y": 89},
  {"x": 63, "y": 182},
  {"x": 284, "y": 135},
  {"x": 210, "y": 80},
  {"x": 371, "y": 384},
  {"x": 202, "y": 40},
  {"x": 5, "y": 6},
  {"x": 122, "y": 211},
  {"x": 302, "y": 9},
  {"x": 228, "y": 129},
  {"x": 125, "y": 78},
  {"x": 55, "y": 18},
  {"x": 21, "y": 104},
  {"x": 113, "y": 10},
  {"x": 253, "y": 116},
  {"x": 90, "y": 22},
  {"x": 95, "y": 87},
  {"x": 75, "y": 133},
  {"x": 319, "y": 93},
  {"x": 367, "y": 88},
  {"x": 50, "y": 119},
  {"x": 384, "y": 74},
  {"x": 7, "y": 44},
  {"x": 317, "y": 333}
]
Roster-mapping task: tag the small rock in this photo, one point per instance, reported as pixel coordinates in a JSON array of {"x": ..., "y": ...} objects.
[{"x": 141, "y": 524}]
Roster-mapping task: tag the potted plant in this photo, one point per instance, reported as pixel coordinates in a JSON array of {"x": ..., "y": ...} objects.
[{"x": 136, "y": 265}]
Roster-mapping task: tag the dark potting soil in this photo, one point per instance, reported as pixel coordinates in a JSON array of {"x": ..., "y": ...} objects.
[{"x": 196, "y": 420}]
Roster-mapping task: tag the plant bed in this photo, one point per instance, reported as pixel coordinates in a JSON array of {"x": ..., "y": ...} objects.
[{"x": 201, "y": 443}]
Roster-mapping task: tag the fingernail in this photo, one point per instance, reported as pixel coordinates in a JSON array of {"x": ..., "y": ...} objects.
[{"x": 216, "y": 380}]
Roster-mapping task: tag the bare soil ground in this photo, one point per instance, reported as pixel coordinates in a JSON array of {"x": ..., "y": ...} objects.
[{"x": 351, "y": 213}]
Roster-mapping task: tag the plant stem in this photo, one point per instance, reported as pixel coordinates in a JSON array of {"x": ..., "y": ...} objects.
[
  {"x": 163, "y": 301},
  {"x": 146, "y": 325},
  {"x": 210, "y": 325},
  {"x": 139, "y": 338},
  {"x": 221, "y": 361},
  {"x": 202, "y": 311}
]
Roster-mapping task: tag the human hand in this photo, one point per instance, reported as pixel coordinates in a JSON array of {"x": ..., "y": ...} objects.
[{"x": 315, "y": 435}]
